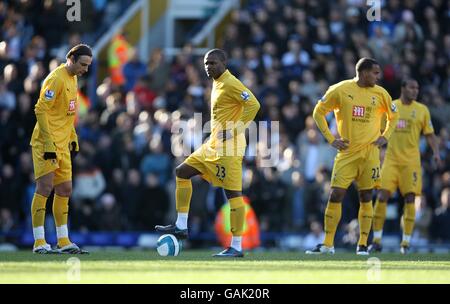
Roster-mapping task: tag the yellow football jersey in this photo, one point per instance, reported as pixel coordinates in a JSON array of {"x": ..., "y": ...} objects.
[
  {"x": 231, "y": 103},
  {"x": 403, "y": 146},
  {"x": 358, "y": 111},
  {"x": 58, "y": 100}
]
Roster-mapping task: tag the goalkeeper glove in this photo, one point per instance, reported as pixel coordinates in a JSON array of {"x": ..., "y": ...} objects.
[
  {"x": 73, "y": 148},
  {"x": 49, "y": 150},
  {"x": 73, "y": 145}
]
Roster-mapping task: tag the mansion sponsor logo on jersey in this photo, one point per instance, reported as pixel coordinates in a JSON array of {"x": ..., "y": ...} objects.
[
  {"x": 358, "y": 111},
  {"x": 403, "y": 125},
  {"x": 359, "y": 114},
  {"x": 72, "y": 106}
]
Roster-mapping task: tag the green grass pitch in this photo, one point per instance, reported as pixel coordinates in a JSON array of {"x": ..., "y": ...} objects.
[{"x": 198, "y": 267}]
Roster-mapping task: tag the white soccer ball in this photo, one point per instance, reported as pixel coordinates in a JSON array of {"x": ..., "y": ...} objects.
[{"x": 168, "y": 245}]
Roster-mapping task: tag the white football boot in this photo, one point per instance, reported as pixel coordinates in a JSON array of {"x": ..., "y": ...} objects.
[
  {"x": 44, "y": 249},
  {"x": 321, "y": 249}
]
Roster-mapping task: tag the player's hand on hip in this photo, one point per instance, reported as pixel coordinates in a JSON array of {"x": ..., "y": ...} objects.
[
  {"x": 49, "y": 150},
  {"x": 340, "y": 144},
  {"x": 380, "y": 142}
]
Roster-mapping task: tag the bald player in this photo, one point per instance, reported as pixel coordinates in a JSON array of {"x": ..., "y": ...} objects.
[{"x": 219, "y": 160}]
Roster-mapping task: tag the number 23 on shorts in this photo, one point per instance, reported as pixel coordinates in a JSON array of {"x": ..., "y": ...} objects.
[{"x": 220, "y": 173}]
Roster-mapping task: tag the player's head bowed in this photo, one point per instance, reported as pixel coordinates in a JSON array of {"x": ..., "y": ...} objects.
[{"x": 79, "y": 58}]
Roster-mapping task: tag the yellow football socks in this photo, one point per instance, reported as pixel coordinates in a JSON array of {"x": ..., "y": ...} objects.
[
  {"x": 183, "y": 194},
  {"x": 379, "y": 216},
  {"x": 60, "y": 214},
  {"x": 38, "y": 219},
  {"x": 237, "y": 215},
  {"x": 333, "y": 214},
  {"x": 365, "y": 216},
  {"x": 409, "y": 215}
]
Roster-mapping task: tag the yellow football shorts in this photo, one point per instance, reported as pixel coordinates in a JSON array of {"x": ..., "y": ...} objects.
[
  {"x": 407, "y": 178},
  {"x": 223, "y": 171},
  {"x": 361, "y": 166},
  {"x": 62, "y": 165}
]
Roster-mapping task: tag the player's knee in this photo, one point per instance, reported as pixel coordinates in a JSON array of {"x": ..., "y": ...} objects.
[
  {"x": 65, "y": 193},
  {"x": 232, "y": 194},
  {"x": 409, "y": 198},
  {"x": 64, "y": 190},
  {"x": 179, "y": 171},
  {"x": 365, "y": 195},
  {"x": 185, "y": 171},
  {"x": 337, "y": 195},
  {"x": 383, "y": 196},
  {"x": 44, "y": 189}
]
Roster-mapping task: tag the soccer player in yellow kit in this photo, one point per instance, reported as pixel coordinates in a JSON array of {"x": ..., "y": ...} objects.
[
  {"x": 53, "y": 142},
  {"x": 401, "y": 167},
  {"x": 219, "y": 160},
  {"x": 358, "y": 106}
]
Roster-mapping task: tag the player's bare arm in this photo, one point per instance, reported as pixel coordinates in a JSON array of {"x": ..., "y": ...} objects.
[{"x": 433, "y": 143}]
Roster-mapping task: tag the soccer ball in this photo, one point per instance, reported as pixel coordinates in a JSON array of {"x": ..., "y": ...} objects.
[{"x": 168, "y": 245}]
